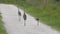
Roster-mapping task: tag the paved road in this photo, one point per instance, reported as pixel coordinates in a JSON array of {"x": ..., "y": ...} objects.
[{"x": 14, "y": 26}]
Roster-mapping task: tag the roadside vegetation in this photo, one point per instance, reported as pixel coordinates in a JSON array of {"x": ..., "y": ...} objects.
[
  {"x": 48, "y": 11},
  {"x": 2, "y": 29}
]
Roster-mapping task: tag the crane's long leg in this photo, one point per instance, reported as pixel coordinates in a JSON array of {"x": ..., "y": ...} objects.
[
  {"x": 24, "y": 22},
  {"x": 19, "y": 18},
  {"x": 37, "y": 23}
]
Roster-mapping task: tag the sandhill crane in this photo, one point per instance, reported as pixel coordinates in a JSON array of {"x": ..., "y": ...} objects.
[
  {"x": 37, "y": 21},
  {"x": 25, "y": 18},
  {"x": 19, "y": 14}
]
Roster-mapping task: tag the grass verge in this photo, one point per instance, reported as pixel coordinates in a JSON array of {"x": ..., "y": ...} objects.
[{"x": 2, "y": 29}]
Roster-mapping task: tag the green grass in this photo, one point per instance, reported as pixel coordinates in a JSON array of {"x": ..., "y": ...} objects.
[
  {"x": 2, "y": 29},
  {"x": 49, "y": 14}
]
